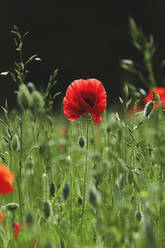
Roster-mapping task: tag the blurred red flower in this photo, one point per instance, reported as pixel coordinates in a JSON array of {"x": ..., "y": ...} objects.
[
  {"x": 2, "y": 217},
  {"x": 159, "y": 91},
  {"x": 16, "y": 230},
  {"x": 17, "y": 227},
  {"x": 136, "y": 109},
  {"x": 85, "y": 96},
  {"x": 6, "y": 179}
]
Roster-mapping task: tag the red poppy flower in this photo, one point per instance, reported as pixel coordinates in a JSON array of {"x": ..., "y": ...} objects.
[
  {"x": 2, "y": 217},
  {"x": 134, "y": 110},
  {"x": 6, "y": 179},
  {"x": 85, "y": 96},
  {"x": 17, "y": 227},
  {"x": 159, "y": 91}
]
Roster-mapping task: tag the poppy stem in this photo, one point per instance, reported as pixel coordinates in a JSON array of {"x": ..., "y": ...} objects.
[{"x": 85, "y": 178}]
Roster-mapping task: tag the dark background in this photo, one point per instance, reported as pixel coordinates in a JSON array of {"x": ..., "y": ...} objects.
[{"x": 82, "y": 39}]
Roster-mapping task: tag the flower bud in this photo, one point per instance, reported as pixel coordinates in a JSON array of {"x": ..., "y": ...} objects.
[
  {"x": 81, "y": 141},
  {"x": 37, "y": 101},
  {"x": 29, "y": 219},
  {"x": 46, "y": 209},
  {"x": 52, "y": 189},
  {"x": 12, "y": 206},
  {"x": 92, "y": 198},
  {"x": 66, "y": 190},
  {"x": 24, "y": 97}
]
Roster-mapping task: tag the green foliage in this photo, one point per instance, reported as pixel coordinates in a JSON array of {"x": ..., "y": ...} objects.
[{"x": 146, "y": 47}]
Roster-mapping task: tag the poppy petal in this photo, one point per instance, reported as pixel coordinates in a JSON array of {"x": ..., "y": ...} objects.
[{"x": 84, "y": 96}]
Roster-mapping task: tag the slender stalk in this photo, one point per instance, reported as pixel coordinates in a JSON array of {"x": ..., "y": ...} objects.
[
  {"x": 85, "y": 178},
  {"x": 19, "y": 178}
]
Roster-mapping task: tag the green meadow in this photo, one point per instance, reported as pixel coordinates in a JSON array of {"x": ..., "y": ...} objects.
[{"x": 79, "y": 184}]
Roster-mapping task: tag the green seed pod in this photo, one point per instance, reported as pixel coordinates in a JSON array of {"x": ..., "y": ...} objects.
[
  {"x": 12, "y": 206},
  {"x": 81, "y": 141},
  {"x": 15, "y": 144},
  {"x": 149, "y": 107},
  {"x": 80, "y": 200},
  {"x": 52, "y": 189},
  {"x": 29, "y": 219},
  {"x": 23, "y": 97},
  {"x": 37, "y": 101},
  {"x": 92, "y": 198},
  {"x": 46, "y": 209},
  {"x": 66, "y": 190}
]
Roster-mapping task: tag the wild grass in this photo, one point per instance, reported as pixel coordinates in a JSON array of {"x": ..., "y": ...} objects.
[
  {"x": 80, "y": 184},
  {"x": 123, "y": 201}
]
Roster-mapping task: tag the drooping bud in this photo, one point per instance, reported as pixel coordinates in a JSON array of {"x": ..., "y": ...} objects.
[
  {"x": 52, "y": 189},
  {"x": 94, "y": 198},
  {"x": 81, "y": 141},
  {"x": 46, "y": 209},
  {"x": 66, "y": 190},
  {"x": 29, "y": 219},
  {"x": 12, "y": 206},
  {"x": 24, "y": 97},
  {"x": 80, "y": 200}
]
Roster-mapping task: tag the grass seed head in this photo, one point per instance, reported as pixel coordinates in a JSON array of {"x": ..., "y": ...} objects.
[{"x": 149, "y": 107}]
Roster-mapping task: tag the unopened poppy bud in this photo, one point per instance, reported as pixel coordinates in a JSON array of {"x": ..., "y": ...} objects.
[
  {"x": 12, "y": 206},
  {"x": 80, "y": 200},
  {"x": 149, "y": 107},
  {"x": 81, "y": 141},
  {"x": 46, "y": 209},
  {"x": 15, "y": 144},
  {"x": 24, "y": 97},
  {"x": 29, "y": 219},
  {"x": 66, "y": 190},
  {"x": 37, "y": 101},
  {"x": 52, "y": 189},
  {"x": 138, "y": 215},
  {"x": 92, "y": 199}
]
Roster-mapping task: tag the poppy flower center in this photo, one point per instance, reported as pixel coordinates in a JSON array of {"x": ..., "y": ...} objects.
[{"x": 89, "y": 102}]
